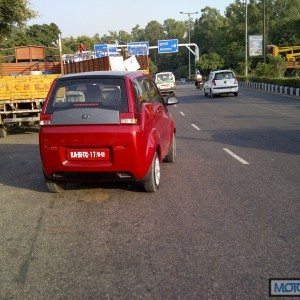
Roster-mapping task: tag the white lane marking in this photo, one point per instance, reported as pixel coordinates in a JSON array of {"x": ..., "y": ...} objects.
[
  {"x": 195, "y": 126},
  {"x": 279, "y": 112},
  {"x": 236, "y": 156},
  {"x": 183, "y": 114}
]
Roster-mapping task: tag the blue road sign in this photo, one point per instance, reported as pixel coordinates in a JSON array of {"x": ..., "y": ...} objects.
[
  {"x": 112, "y": 49},
  {"x": 100, "y": 50},
  {"x": 167, "y": 46},
  {"x": 103, "y": 50},
  {"x": 138, "y": 48}
]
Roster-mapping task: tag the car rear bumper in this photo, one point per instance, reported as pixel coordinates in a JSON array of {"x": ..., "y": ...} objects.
[
  {"x": 167, "y": 92},
  {"x": 225, "y": 90},
  {"x": 128, "y": 156}
]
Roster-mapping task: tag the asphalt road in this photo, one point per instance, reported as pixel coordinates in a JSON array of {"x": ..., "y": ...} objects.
[{"x": 223, "y": 222}]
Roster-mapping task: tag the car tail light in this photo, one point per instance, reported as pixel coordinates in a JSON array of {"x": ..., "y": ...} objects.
[
  {"x": 45, "y": 119},
  {"x": 129, "y": 118},
  {"x": 214, "y": 82}
]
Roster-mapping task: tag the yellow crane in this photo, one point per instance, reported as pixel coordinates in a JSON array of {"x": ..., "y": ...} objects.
[{"x": 291, "y": 53}]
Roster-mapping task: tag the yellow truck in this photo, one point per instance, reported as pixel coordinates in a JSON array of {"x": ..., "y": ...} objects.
[
  {"x": 26, "y": 74},
  {"x": 21, "y": 99}
]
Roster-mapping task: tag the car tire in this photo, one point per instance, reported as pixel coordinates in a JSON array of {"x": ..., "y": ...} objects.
[
  {"x": 171, "y": 156},
  {"x": 235, "y": 94},
  {"x": 54, "y": 186},
  {"x": 205, "y": 94},
  {"x": 152, "y": 179},
  {"x": 211, "y": 94}
]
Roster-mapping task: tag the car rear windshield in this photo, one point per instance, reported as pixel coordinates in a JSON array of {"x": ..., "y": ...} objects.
[
  {"x": 224, "y": 75},
  {"x": 105, "y": 93}
]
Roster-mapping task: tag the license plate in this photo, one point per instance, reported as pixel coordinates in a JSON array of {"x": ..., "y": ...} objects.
[{"x": 88, "y": 154}]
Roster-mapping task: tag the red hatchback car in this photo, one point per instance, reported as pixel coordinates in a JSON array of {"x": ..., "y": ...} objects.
[{"x": 105, "y": 125}]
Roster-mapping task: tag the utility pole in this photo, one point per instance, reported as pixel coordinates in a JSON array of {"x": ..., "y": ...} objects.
[
  {"x": 189, "y": 34},
  {"x": 246, "y": 38},
  {"x": 60, "y": 54},
  {"x": 264, "y": 30}
]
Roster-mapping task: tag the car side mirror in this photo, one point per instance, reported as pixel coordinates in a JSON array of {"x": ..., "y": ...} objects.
[{"x": 171, "y": 100}]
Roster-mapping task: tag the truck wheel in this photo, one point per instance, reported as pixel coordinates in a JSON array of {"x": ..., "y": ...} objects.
[
  {"x": 55, "y": 187},
  {"x": 152, "y": 180},
  {"x": 3, "y": 132},
  {"x": 171, "y": 156}
]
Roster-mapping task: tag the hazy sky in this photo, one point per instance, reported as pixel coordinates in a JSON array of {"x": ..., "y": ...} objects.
[{"x": 78, "y": 17}]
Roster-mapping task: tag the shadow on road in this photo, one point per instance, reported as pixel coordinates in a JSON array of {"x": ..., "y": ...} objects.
[
  {"x": 20, "y": 167},
  {"x": 269, "y": 139}
]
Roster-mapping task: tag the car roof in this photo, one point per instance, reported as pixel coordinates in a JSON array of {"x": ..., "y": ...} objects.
[
  {"x": 221, "y": 71},
  {"x": 167, "y": 72},
  {"x": 117, "y": 74}
]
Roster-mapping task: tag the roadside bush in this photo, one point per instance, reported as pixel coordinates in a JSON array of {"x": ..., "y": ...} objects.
[
  {"x": 286, "y": 81},
  {"x": 274, "y": 68}
]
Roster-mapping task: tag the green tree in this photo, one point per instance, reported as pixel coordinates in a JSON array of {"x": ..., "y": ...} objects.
[
  {"x": 209, "y": 30},
  {"x": 283, "y": 22},
  {"x": 154, "y": 31},
  {"x": 45, "y": 34},
  {"x": 174, "y": 29},
  {"x": 138, "y": 33},
  {"x": 12, "y": 13},
  {"x": 209, "y": 62}
]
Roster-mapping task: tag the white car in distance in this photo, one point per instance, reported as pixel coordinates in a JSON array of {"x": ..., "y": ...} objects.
[
  {"x": 165, "y": 82},
  {"x": 221, "y": 82}
]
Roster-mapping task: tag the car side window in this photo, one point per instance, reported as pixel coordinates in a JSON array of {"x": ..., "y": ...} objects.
[
  {"x": 140, "y": 91},
  {"x": 154, "y": 95},
  {"x": 145, "y": 92}
]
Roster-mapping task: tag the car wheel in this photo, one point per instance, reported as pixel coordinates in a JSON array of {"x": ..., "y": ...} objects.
[
  {"x": 211, "y": 94},
  {"x": 152, "y": 180},
  {"x": 171, "y": 156},
  {"x": 235, "y": 94},
  {"x": 205, "y": 94},
  {"x": 55, "y": 187}
]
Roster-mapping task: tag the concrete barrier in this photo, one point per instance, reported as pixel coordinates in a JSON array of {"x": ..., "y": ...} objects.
[{"x": 271, "y": 88}]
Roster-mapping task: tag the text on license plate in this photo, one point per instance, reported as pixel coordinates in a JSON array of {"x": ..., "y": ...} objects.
[{"x": 88, "y": 154}]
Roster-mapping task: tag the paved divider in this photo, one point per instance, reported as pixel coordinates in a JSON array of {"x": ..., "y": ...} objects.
[{"x": 271, "y": 88}]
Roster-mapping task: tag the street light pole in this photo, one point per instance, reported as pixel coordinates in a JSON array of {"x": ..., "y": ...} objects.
[
  {"x": 189, "y": 33},
  {"x": 264, "y": 30},
  {"x": 246, "y": 38}
]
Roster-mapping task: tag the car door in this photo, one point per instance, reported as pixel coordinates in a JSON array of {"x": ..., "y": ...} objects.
[
  {"x": 163, "y": 123},
  {"x": 155, "y": 117}
]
